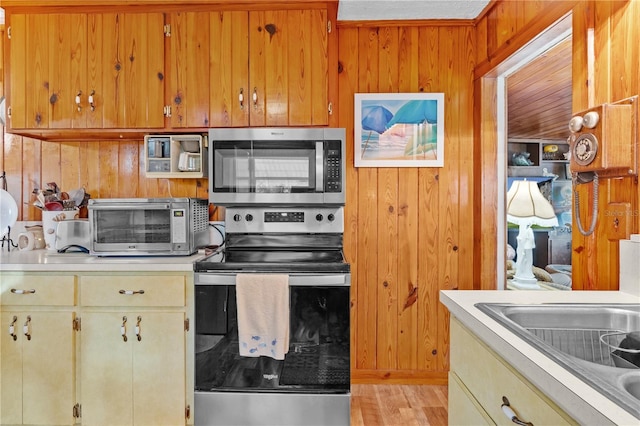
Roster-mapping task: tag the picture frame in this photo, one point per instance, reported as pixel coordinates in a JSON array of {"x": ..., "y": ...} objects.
[{"x": 399, "y": 130}]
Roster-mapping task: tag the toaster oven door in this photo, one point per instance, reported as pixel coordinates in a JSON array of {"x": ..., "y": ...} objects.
[{"x": 144, "y": 228}]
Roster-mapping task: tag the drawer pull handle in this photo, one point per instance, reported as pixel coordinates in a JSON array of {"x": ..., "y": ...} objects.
[
  {"x": 508, "y": 411},
  {"x": 130, "y": 292},
  {"x": 241, "y": 98},
  {"x": 18, "y": 291},
  {"x": 123, "y": 329},
  {"x": 138, "y": 328},
  {"x": 12, "y": 328},
  {"x": 26, "y": 328}
]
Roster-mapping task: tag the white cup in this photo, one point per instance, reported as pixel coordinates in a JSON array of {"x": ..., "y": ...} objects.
[
  {"x": 50, "y": 221},
  {"x": 26, "y": 241}
]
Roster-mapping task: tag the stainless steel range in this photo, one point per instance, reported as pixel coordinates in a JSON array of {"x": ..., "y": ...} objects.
[{"x": 310, "y": 385}]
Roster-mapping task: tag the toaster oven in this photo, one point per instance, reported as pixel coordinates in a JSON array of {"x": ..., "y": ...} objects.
[{"x": 148, "y": 226}]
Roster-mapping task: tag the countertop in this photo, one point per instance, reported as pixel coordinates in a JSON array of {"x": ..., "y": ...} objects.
[
  {"x": 577, "y": 398},
  {"x": 44, "y": 260}
]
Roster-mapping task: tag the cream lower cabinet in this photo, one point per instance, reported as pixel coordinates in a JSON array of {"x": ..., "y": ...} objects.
[
  {"x": 37, "y": 363},
  {"x": 478, "y": 381},
  {"x": 133, "y": 350}
]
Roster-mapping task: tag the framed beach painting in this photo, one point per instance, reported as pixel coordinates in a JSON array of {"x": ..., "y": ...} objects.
[{"x": 399, "y": 130}]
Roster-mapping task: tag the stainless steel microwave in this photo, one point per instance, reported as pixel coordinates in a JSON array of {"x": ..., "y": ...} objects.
[
  {"x": 277, "y": 166},
  {"x": 148, "y": 226}
]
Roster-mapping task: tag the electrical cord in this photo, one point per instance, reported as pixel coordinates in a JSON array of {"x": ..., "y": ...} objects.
[{"x": 594, "y": 206}]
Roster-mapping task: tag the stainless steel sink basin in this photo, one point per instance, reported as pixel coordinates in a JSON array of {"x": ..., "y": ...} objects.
[{"x": 582, "y": 339}]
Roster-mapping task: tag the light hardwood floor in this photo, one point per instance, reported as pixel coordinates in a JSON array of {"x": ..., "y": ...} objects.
[{"x": 401, "y": 405}]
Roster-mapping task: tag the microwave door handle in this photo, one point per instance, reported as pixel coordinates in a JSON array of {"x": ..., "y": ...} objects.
[
  {"x": 319, "y": 166},
  {"x": 144, "y": 206}
]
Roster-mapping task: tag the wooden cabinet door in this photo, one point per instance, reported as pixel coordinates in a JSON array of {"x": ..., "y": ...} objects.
[
  {"x": 288, "y": 71},
  {"x": 208, "y": 69},
  {"x": 78, "y": 71},
  {"x": 38, "y": 373},
  {"x": 159, "y": 369},
  {"x": 106, "y": 369},
  {"x": 133, "y": 382}
]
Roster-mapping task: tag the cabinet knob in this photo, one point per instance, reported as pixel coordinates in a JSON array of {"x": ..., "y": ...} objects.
[
  {"x": 26, "y": 328},
  {"x": 12, "y": 328},
  {"x": 78, "y": 100},
  {"x": 91, "y": 102},
  {"x": 123, "y": 329},
  {"x": 138, "y": 328}
]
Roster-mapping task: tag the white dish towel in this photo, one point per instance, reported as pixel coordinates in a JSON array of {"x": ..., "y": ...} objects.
[{"x": 263, "y": 314}]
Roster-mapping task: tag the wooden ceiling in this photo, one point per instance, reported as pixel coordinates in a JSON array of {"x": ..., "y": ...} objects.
[{"x": 539, "y": 96}]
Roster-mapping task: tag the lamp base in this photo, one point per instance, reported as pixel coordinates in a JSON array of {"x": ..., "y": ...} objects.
[{"x": 525, "y": 283}]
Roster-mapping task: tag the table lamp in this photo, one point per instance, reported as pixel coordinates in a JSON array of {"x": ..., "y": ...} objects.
[{"x": 527, "y": 206}]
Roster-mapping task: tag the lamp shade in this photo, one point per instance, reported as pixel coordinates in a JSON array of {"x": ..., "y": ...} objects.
[{"x": 527, "y": 206}]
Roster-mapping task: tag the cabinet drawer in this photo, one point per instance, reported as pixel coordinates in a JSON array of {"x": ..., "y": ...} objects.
[
  {"x": 489, "y": 378},
  {"x": 131, "y": 290},
  {"x": 35, "y": 290}
]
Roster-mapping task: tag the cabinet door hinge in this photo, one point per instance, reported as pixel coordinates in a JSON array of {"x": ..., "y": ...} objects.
[
  {"x": 77, "y": 323},
  {"x": 167, "y": 30},
  {"x": 167, "y": 111},
  {"x": 329, "y": 27},
  {"x": 186, "y": 324},
  {"x": 77, "y": 411},
  {"x": 187, "y": 412},
  {"x": 9, "y": 32}
]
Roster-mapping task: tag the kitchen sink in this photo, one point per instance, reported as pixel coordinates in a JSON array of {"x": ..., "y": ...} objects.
[{"x": 582, "y": 338}]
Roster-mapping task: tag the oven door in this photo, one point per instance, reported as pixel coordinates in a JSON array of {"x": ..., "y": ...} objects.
[
  {"x": 138, "y": 228},
  {"x": 318, "y": 361}
]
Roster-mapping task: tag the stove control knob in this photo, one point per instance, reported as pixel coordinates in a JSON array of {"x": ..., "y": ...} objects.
[
  {"x": 331, "y": 217},
  {"x": 237, "y": 218},
  {"x": 319, "y": 217},
  {"x": 249, "y": 217}
]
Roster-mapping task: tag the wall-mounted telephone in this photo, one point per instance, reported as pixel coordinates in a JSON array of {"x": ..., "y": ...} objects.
[{"x": 603, "y": 143}]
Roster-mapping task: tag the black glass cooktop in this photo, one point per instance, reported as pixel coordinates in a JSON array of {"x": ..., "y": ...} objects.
[{"x": 275, "y": 260}]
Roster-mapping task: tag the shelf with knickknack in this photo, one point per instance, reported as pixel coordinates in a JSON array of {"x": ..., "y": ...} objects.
[
  {"x": 537, "y": 157},
  {"x": 175, "y": 156}
]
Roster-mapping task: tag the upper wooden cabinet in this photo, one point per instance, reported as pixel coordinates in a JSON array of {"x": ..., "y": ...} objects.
[
  {"x": 85, "y": 71},
  {"x": 255, "y": 68}
]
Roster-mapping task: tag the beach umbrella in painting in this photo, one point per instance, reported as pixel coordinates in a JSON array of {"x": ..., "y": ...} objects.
[
  {"x": 374, "y": 119},
  {"x": 417, "y": 112}
]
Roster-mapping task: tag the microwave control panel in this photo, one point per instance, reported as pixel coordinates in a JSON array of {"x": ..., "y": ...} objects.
[
  {"x": 333, "y": 167},
  {"x": 179, "y": 225}
]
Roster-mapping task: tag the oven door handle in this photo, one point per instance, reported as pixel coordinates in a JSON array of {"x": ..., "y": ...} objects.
[{"x": 305, "y": 280}]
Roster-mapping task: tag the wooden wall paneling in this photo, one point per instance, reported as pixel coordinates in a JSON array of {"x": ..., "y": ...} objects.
[
  {"x": 428, "y": 227},
  {"x": 506, "y": 21},
  {"x": 448, "y": 213},
  {"x": 51, "y": 170},
  {"x": 348, "y": 83},
  {"x": 408, "y": 218},
  {"x": 12, "y": 157},
  {"x": 109, "y": 161},
  {"x": 466, "y": 243},
  {"x": 31, "y": 177},
  {"x": 59, "y": 79},
  {"x": 366, "y": 356},
  {"x": 299, "y": 29},
  {"x": 69, "y": 166},
  {"x": 387, "y": 256},
  {"x": 319, "y": 69},
  {"x": 481, "y": 37},
  {"x": 90, "y": 173},
  {"x": 128, "y": 170}
]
